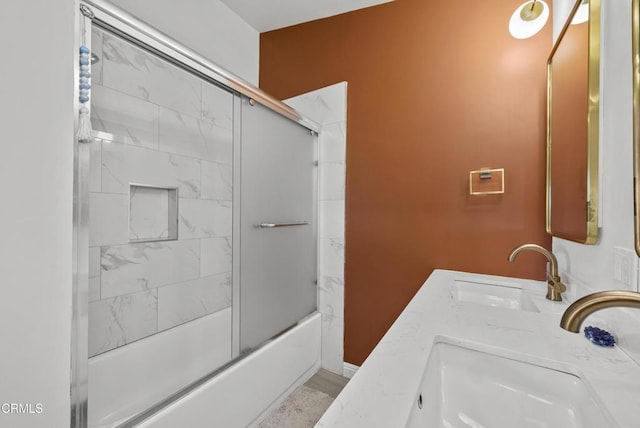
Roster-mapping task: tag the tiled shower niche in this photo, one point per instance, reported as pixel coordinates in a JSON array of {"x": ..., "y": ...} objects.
[
  {"x": 153, "y": 213},
  {"x": 160, "y": 197}
]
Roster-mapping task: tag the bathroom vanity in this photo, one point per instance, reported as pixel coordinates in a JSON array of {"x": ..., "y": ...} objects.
[{"x": 474, "y": 350}]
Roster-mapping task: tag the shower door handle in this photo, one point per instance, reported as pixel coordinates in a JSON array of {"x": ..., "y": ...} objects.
[{"x": 272, "y": 225}]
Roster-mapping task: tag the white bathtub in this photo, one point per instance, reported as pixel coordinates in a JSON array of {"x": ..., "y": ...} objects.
[{"x": 120, "y": 381}]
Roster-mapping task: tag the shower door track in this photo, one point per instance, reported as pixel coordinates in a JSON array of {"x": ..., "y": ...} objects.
[{"x": 106, "y": 15}]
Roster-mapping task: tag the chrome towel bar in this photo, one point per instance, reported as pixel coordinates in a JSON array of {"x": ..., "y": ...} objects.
[{"x": 272, "y": 225}]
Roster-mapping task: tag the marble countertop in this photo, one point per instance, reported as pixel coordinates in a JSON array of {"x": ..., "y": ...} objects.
[{"x": 382, "y": 392}]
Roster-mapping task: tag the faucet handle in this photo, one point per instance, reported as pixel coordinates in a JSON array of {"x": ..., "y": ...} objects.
[{"x": 556, "y": 284}]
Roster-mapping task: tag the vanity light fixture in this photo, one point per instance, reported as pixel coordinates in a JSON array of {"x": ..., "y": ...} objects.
[{"x": 528, "y": 19}]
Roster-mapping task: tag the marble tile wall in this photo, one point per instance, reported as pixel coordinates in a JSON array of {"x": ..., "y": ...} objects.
[
  {"x": 156, "y": 125},
  {"x": 328, "y": 106}
]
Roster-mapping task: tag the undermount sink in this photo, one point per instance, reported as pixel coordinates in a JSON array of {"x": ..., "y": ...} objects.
[
  {"x": 464, "y": 387},
  {"x": 492, "y": 294}
]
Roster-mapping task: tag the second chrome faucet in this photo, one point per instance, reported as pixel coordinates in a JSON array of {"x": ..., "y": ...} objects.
[{"x": 555, "y": 287}]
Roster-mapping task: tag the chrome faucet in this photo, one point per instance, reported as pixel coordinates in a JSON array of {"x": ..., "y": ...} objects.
[
  {"x": 555, "y": 287},
  {"x": 580, "y": 309}
]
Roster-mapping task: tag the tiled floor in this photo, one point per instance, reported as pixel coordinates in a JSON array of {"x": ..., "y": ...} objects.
[
  {"x": 327, "y": 382},
  {"x": 304, "y": 407}
]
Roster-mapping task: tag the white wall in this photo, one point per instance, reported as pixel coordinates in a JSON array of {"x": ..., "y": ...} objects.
[
  {"x": 206, "y": 26},
  {"x": 36, "y": 172},
  {"x": 590, "y": 267}
]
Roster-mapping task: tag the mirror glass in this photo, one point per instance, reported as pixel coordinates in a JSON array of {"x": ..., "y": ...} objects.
[{"x": 572, "y": 127}]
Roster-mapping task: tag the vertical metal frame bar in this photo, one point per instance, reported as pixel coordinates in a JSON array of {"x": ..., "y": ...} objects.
[
  {"x": 548, "y": 151},
  {"x": 635, "y": 36},
  {"x": 235, "y": 237},
  {"x": 316, "y": 210},
  {"x": 593, "y": 123},
  {"x": 80, "y": 258}
]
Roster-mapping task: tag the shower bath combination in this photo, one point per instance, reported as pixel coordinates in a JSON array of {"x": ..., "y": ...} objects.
[{"x": 185, "y": 161}]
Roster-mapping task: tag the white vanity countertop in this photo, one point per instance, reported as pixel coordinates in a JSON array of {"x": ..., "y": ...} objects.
[{"x": 382, "y": 392}]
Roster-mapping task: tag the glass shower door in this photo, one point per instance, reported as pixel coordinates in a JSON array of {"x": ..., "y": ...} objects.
[
  {"x": 201, "y": 222},
  {"x": 160, "y": 229},
  {"x": 278, "y": 224}
]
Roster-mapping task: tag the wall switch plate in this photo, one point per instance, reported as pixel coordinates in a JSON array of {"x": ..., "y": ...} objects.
[{"x": 625, "y": 268}]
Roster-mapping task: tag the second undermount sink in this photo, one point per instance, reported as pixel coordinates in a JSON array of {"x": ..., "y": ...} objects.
[
  {"x": 492, "y": 294},
  {"x": 464, "y": 387}
]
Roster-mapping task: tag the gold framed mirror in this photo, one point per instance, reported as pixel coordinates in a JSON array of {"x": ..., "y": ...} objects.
[
  {"x": 635, "y": 35},
  {"x": 573, "y": 85}
]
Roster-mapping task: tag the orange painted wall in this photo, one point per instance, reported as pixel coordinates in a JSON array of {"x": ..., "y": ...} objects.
[{"x": 435, "y": 89}]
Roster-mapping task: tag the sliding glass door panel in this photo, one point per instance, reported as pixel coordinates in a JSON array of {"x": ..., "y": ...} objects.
[{"x": 278, "y": 224}]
